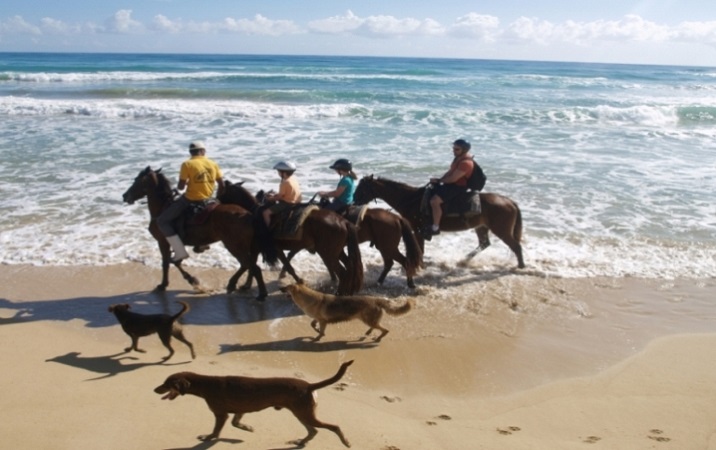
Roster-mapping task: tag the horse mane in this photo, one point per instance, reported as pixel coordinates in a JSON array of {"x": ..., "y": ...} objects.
[
  {"x": 398, "y": 184},
  {"x": 164, "y": 188},
  {"x": 237, "y": 194}
]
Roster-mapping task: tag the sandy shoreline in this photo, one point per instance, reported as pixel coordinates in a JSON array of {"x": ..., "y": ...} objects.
[{"x": 503, "y": 360}]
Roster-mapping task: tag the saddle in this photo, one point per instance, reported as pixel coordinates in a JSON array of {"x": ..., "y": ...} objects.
[
  {"x": 196, "y": 214},
  {"x": 355, "y": 214},
  {"x": 287, "y": 224}
]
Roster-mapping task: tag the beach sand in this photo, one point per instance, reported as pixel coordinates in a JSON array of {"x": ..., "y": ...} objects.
[{"x": 497, "y": 360}]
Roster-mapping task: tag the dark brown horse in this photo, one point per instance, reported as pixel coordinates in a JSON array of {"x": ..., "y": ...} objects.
[
  {"x": 323, "y": 232},
  {"x": 230, "y": 224},
  {"x": 499, "y": 214},
  {"x": 384, "y": 229}
]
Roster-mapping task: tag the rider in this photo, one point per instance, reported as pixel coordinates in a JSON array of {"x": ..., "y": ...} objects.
[
  {"x": 199, "y": 175},
  {"x": 452, "y": 183},
  {"x": 289, "y": 191},
  {"x": 343, "y": 193}
]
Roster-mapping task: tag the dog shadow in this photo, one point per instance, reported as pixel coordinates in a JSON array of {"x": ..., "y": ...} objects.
[
  {"x": 208, "y": 444},
  {"x": 298, "y": 344},
  {"x": 106, "y": 366}
]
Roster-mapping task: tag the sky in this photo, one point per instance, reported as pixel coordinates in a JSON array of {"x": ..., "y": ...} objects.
[{"x": 672, "y": 32}]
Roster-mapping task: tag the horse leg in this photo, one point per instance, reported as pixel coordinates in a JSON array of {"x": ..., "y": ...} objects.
[
  {"x": 483, "y": 239},
  {"x": 286, "y": 261},
  {"x": 512, "y": 243},
  {"x": 290, "y": 256},
  {"x": 231, "y": 286}
]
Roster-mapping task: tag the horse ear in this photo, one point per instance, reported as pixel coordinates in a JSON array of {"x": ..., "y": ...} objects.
[{"x": 159, "y": 170}]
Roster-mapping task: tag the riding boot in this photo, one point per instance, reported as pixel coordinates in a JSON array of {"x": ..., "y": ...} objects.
[{"x": 177, "y": 247}]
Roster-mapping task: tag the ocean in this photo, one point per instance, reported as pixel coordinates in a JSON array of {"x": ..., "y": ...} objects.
[{"x": 613, "y": 166}]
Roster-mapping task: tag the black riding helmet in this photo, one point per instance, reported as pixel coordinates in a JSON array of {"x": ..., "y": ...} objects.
[{"x": 342, "y": 164}]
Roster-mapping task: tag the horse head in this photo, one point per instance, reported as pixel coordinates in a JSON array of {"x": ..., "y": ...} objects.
[
  {"x": 237, "y": 194},
  {"x": 146, "y": 180},
  {"x": 137, "y": 190},
  {"x": 365, "y": 191}
]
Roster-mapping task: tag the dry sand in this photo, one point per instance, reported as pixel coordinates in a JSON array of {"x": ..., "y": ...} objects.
[{"x": 508, "y": 360}]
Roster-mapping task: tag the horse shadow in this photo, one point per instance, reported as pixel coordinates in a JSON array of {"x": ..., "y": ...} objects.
[{"x": 216, "y": 309}]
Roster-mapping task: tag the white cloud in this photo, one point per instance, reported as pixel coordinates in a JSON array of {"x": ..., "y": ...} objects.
[
  {"x": 376, "y": 26},
  {"x": 18, "y": 25},
  {"x": 54, "y": 26},
  {"x": 259, "y": 25},
  {"x": 630, "y": 29},
  {"x": 702, "y": 32},
  {"x": 162, "y": 23},
  {"x": 336, "y": 24},
  {"x": 122, "y": 22},
  {"x": 476, "y": 26}
]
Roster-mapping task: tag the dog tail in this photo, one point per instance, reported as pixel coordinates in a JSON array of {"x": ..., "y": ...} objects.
[
  {"x": 185, "y": 309},
  {"x": 333, "y": 379},
  {"x": 394, "y": 310}
]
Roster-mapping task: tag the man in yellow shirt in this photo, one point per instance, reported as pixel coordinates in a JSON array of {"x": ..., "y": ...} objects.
[{"x": 199, "y": 175}]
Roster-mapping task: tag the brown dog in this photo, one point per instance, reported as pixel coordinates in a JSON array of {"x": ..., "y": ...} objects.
[
  {"x": 327, "y": 308},
  {"x": 240, "y": 395},
  {"x": 138, "y": 325}
]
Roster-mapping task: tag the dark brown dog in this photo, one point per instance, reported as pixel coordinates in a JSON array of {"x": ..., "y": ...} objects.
[
  {"x": 327, "y": 308},
  {"x": 138, "y": 325},
  {"x": 240, "y": 395}
]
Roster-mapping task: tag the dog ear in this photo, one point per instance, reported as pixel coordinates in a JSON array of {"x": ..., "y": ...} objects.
[{"x": 182, "y": 385}]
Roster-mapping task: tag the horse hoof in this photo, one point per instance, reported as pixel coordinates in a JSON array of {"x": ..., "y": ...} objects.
[
  {"x": 261, "y": 298},
  {"x": 160, "y": 288}
]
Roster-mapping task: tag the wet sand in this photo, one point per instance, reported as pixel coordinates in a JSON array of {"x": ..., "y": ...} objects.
[{"x": 487, "y": 359}]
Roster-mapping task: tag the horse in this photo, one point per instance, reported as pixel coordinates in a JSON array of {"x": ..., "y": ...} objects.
[
  {"x": 323, "y": 232},
  {"x": 384, "y": 229},
  {"x": 499, "y": 214},
  {"x": 230, "y": 224}
]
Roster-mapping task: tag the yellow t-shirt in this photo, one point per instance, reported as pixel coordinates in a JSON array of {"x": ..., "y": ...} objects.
[
  {"x": 289, "y": 191},
  {"x": 200, "y": 174}
]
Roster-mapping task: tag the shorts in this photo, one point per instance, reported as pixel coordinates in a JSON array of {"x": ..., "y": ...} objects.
[{"x": 448, "y": 192}]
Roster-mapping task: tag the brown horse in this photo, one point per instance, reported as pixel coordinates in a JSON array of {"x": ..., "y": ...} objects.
[
  {"x": 384, "y": 229},
  {"x": 499, "y": 214},
  {"x": 230, "y": 224},
  {"x": 323, "y": 232}
]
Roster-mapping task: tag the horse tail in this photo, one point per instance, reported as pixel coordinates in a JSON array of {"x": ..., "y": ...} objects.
[
  {"x": 517, "y": 229},
  {"x": 413, "y": 254},
  {"x": 267, "y": 246},
  {"x": 353, "y": 281}
]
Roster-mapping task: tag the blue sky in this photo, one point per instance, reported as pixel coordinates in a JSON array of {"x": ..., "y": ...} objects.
[{"x": 643, "y": 32}]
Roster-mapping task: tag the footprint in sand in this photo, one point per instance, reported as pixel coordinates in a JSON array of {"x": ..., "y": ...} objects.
[
  {"x": 508, "y": 430},
  {"x": 390, "y": 399},
  {"x": 444, "y": 417},
  {"x": 592, "y": 439},
  {"x": 655, "y": 435},
  {"x": 390, "y": 447},
  {"x": 340, "y": 386}
]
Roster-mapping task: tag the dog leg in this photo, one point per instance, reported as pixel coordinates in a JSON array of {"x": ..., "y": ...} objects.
[
  {"x": 307, "y": 417},
  {"x": 179, "y": 334},
  {"x": 314, "y": 326},
  {"x": 218, "y": 425},
  {"x": 383, "y": 332},
  {"x": 135, "y": 342},
  {"x": 236, "y": 421},
  {"x": 167, "y": 341},
  {"x": 321, "y": 330}
]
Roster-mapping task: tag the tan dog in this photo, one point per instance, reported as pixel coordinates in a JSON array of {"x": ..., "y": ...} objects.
[
  {"x": 138, "y": 325},
  {"x": 327, "y": 308},
  {"x": 240, "y": 395}
]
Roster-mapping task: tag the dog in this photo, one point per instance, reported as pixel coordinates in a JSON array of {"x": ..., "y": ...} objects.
[
  {"x": 327, "y": 308},
  {"x": 240, "y": 395},
  {"x": 138, "y": 325}
]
